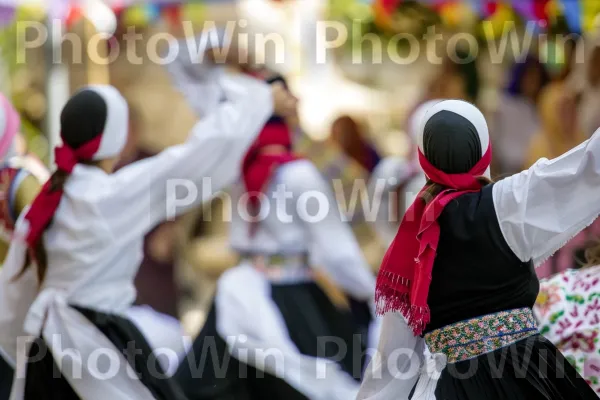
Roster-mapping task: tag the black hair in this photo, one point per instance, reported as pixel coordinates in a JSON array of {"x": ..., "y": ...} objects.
[
  {"x": 451, "y": 142},
  {"x": 83, "y": 118}
]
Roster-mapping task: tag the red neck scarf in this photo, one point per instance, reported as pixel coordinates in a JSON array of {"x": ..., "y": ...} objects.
[
  {"x": 405, "y": 273},
  {"x": 258, "y": 167},
  {"x": 45, "y": 204}
]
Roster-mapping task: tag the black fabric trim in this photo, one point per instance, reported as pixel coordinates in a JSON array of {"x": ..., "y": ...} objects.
[
  {"x": 451, "y": 142},
  {"x": 83, "y": 118}
]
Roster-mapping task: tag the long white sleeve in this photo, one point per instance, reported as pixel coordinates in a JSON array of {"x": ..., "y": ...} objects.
[
  {"x": 256, "y": 334},
  {"x": 331, "y": 238},
  {"x": 542, "y": 208},
  {"x": 396, "y": 366},
  {"x": 152, "y": 190},
  {"x": 195, "y": 76}
]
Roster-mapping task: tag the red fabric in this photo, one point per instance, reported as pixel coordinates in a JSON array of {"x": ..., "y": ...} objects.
[
  {"x": 405, "y": 273},
  {"x": 45, "y": 204},
  {"x": 258, "y": 167}
]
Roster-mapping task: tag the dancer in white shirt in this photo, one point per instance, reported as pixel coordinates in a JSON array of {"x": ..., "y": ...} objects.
[{"x": 86, "y": 231}]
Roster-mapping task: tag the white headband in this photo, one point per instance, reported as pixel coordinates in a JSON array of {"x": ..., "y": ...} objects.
[
  {"x": 414, "y": 122},
  {"x": 465, "y": 110},
  {"x": 116, "y": 127}
]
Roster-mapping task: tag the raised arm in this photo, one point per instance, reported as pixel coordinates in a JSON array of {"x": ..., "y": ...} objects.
[
  {"x": 542, "y": 208},
  {"x": 181, "y": 177},
  {"x": 334, "y": 243}
]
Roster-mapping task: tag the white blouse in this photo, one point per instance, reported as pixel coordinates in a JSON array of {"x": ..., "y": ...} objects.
[
  {"x": 539, "y": 210},
  {"x": 287, "y": 228},
  {"x": 94, "y": 244}
]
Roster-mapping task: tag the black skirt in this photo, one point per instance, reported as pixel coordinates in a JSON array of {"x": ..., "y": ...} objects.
[
  {"x": 44, "y": 380},
  {"x": 209, "y": 372},
  {"x": 530, "y": 369},
  {"x": 6, "y": 378}
]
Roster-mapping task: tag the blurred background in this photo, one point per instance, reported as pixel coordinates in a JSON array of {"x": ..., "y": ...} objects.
[{"x": 530, "y": 65}]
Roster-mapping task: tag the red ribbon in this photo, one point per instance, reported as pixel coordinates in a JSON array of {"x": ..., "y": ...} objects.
[
  {"x": 405, "y": 273},
  {"x": 45, "y": 204},
  {"x": 258, "y": 167}
]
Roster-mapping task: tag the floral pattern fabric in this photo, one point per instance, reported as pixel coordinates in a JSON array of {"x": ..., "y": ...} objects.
[
  {"x": 568, "y": 313},
  {"x": 471, "y": 338}
]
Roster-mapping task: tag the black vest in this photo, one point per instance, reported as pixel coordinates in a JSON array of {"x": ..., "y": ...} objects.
[{"x": 475, "y": 271}]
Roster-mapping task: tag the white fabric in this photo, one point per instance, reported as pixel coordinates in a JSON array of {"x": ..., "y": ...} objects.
[
  {"x": 15, "y": 296},
  {"x": 416, "y": 118},
  {"x": 329, "y": 240},
  {"x": 464, "y": 109},
  {"x": 199, "y": 80},
  {"x": 65, "y": 330},
  {"x": 164, "y": 334},
  {"x": 117, "y": 122},
  {"x": 95, "y": 268},
  {"x": 262, "y": 341},
  {"x": 331, "y": 245},
  {"x": 542, "y": 208},
  {"x": 396, "y": 366}
]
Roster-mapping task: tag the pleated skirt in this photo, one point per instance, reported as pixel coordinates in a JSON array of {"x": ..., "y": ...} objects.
[
  {"x": 209, "y": 372},
  {"x": 44, "y": 380},
  {"x": 530, "y": 369}
]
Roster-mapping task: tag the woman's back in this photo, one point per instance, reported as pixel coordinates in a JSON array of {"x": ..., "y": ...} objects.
[
  {"x": 472, "y": 254},
  {"x": 87, "y": 259}
]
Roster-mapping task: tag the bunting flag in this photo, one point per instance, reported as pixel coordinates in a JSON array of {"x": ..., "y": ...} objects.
[
  {"x": 580, "y": 15},
  {"x": 383, "y": 11},
  {"x": 7, "y": 15},
  {"x": 589, "y": 15},
  {"x": 572, "y": 12}
]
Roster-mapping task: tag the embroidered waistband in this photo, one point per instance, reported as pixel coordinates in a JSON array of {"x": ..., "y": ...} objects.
[{"x": 474, "y": 337}]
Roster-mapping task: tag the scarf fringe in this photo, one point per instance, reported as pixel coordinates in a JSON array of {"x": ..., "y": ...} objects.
[{"x": 396, "y": 298}]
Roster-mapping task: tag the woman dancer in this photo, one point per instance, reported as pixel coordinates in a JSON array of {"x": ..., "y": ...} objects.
[
  {"x": 460, "y": 271},
  {"x": 269, "y": 314},
  {"x": 86, "y": 229},
  {"x": 20, "y": 180},
  {"x": 396, "y": 182},
  {"x": 568, "y": 313}
]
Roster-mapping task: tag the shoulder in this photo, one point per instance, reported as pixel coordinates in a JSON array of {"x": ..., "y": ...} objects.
[{"x": 473, "y": 206}]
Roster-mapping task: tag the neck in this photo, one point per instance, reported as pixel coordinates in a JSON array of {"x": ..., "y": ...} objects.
[
  {"x": 106, "y": 165},
  {"x": 273, "y": 149}
]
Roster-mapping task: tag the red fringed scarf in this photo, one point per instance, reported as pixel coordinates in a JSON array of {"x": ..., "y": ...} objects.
[
  {"x": 258, "y": 167},
  {"x": 45, "y": 204},
  {"x": 405, "y": 274}
]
